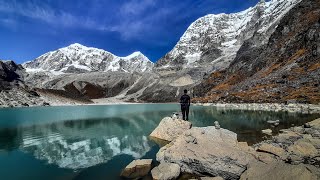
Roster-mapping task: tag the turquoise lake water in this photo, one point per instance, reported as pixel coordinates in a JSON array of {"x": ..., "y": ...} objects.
[{"x": 97, "y": 142}]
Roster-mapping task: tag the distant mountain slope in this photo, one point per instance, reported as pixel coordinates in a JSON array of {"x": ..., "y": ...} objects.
[
  {"x": 77, "y": 58},
  {"x": 286, "y": 69},
  {"x": 10, "y": 74},
  {"x": 212, "y": 41}
]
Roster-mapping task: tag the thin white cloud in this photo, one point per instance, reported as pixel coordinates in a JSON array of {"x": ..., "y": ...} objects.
[
  {"x": 134, "y": 19},
  {"x": 136, "y": 7},
  {"x": 45, "y": 14}
]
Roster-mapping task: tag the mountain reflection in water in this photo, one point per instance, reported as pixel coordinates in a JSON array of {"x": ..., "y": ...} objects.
[{"x": 84, "y": 143}]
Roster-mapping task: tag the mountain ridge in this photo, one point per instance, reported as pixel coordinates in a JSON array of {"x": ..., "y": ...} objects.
[
  {"x": 213, "y": 40},
  {"x": 285, "y": 70},
  {"x": 77, "y": 58}
]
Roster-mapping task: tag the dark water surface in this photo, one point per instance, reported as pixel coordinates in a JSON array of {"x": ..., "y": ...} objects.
[{"x": 97, "y": 142}]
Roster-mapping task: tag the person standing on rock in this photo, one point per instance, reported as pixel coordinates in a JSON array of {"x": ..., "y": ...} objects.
[{"x": 185, "y": 104}]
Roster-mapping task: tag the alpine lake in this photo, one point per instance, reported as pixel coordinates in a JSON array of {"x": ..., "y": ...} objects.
[{"x": 97, "y": 142}]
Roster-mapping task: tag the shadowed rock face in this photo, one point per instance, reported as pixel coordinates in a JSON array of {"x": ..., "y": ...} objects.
[
  {"x": 287, "y": 68},
  {"x": 10, "y": 74}
]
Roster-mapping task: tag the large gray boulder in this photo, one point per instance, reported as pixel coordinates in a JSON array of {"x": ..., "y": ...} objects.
[
  {"x": 169, "y": 129},
  {"x": 166, "y": 171},
  {"x": 207, "y": 151}
]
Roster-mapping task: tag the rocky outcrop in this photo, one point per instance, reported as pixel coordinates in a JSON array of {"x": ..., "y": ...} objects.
[
  {"x": 296, "y": 145},
  {"x": 207, "y": 151},
  {"x": 166, "y": 171},
  {"x": 169, "y": 129},
  {"x": 137, "y": 168},
  {"x": 267, "y": 131},
  {"x": 10, "y": 75},
  {"x": 212, "y": 41}
]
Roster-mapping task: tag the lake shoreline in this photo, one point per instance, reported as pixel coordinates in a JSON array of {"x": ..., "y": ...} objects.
[
  {"x": 276, "y": 107},
  {"x": 294, "y": 149}
]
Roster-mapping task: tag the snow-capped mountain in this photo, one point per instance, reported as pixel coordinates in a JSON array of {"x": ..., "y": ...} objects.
[
  {"x": 213, "y": 40},
  {"x": 78, "y": 58}
]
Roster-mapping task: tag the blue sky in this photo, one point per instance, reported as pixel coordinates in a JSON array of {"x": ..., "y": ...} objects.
[{"x": 30, "y": 28}]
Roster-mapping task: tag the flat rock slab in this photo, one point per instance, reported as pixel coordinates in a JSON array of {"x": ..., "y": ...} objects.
[
  {"x": 169, "y": 129},
  {"x": 137, "y": 168},
  {"x": 207, "y": 151},
  {"x": 303, "y": 148},
  {"x": 277, "y": 171},
  {"x": 166, "y": 171},
  {"x": 269, "y": 148}
]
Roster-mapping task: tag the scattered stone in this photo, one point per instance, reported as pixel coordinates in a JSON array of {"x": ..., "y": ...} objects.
[
  {"x": 25, "y": 104},
  {"x": 273, "y": 122},
  {"x": 277, "y": 170},
  {"x": 307, "y": 125},
  {"x": 217, "y": 153},
  {"x": 45, "y": 104},
  {"x": 299, "y": 130},
  {"x": 287, "y": 137},
  {"x": 169, "y": 129},
  {"x": 295, "y": 159},
  {"x": 267, "y": 132},
  {"x": 176, "y": 115},
  {"x": 166, "y": 171},
  {"x": 137, "y": 168},
  {"x": 217, "y": 125}
]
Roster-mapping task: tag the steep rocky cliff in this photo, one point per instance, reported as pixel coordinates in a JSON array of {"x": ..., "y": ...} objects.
[
  {"x": 212, "y": 41},
  {"x": 285, "y": 69}
]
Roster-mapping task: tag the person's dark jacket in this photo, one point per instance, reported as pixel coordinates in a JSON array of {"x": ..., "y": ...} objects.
[{"x": 185, "y": 101}]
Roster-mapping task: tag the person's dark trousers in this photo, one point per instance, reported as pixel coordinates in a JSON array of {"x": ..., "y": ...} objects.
[{"x": 185, "y": 112}]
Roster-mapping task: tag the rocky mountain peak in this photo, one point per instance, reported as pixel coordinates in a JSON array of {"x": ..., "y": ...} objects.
[
  {"x": 77, "y": 58},
  {"x": 213, "y": 40}
]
